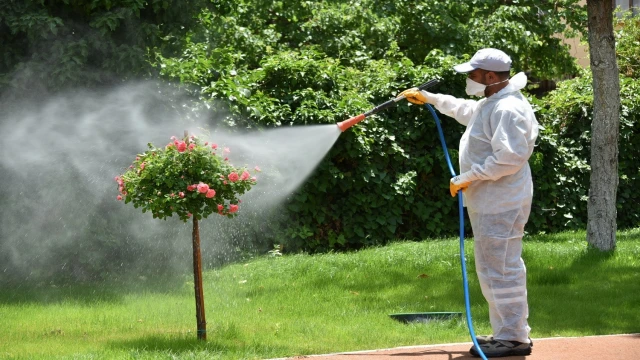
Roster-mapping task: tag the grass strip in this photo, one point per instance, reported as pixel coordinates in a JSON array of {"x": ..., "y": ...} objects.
[{"x": 277, "y": 306}]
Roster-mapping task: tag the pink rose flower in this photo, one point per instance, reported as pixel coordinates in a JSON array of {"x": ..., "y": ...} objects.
[
  {"x": 119, "y": 197},
  {"x": 226, "y": 159},
  {"x": 233, "y": 208},
  {"x": 181, "y": 194},
  {"x": 188, "y": 214},
  {"x": 211, "y": 193},
  {"x": 203, "y": 188},
  {"x": 137, "y": 157},
  {"x": 257, "y": 168},
  {"x": 233, "y": 177},
  {"x": 254, "y": 179},
  {"x": 226, "y": 150},
  {"x": 192, "y": 146},
  {"x": 182, "y": 146},
  {"x": 245, "y": 175},
  {"x": 142, "y": 166},
  {"x": 192, "y": 187},
  {"x": 214, "y": 146},
  {"x": 206, "y": 143},
  {"x": 174, "y": 138}
]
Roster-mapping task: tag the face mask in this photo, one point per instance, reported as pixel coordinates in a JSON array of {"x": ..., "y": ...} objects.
[{"x": 477, "y": 89}]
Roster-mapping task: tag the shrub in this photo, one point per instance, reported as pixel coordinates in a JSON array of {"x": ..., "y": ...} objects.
[{"x": 186, "y": 177}]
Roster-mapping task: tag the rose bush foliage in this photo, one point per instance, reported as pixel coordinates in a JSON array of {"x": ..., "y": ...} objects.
[{"x": 186, "y": 177}]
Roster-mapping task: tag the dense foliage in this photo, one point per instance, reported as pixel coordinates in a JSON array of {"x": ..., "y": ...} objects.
[
  {"x": 55, "y": 45},
  {"x": 322, "y": 62},
  {"x": 565, "y": 144},
  {"x": 265, "y": 64}
]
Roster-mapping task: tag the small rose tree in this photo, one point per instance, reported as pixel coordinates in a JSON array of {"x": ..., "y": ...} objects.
[{"x": 191, "y": 179}]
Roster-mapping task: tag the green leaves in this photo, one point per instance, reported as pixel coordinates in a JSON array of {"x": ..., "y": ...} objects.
[
  {"x": 560, "y": 164},
  {"x": 269, "y": 64},
  {"x": 65, "y": 44},
  {"x": 186, "y": 178}
]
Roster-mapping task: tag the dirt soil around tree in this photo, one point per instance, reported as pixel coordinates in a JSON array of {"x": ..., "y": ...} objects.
[{"x": 610, "y": 347}]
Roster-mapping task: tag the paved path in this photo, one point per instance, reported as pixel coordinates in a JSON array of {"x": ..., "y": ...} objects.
[{"x": 610, "y": 347}]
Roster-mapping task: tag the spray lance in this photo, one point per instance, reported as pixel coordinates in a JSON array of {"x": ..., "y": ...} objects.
[{"x": 344, "y": 125}]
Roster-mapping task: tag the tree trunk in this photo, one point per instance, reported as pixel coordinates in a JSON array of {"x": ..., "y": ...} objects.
[
  {"x": 197, "y": 282},
  {"x": 601, "y": 225}
]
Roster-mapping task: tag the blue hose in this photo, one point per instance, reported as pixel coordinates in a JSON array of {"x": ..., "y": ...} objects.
[{"x": 465, "y": 283}]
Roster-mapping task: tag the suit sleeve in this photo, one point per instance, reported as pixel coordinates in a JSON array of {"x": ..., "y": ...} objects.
[{"x": 459, "y": 109}]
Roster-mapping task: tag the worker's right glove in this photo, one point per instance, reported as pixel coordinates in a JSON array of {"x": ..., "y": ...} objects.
[
  {"x": 460, "y": 182},
  {"x": 415, "y": 96}
]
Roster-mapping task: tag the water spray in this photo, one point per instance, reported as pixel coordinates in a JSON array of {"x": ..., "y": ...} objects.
[{"x": 344, "y": 125}]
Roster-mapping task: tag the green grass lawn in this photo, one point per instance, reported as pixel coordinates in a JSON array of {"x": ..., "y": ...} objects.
[{"x": 301, "y": 304}]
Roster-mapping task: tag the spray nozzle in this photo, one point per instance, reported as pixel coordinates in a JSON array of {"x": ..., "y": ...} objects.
[{"x": 344, "y": 125}]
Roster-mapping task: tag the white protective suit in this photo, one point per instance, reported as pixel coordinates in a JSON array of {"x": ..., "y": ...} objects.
[{"x": 494, "y": 153}]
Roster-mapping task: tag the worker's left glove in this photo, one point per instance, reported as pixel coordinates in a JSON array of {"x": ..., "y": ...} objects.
[
  {"x": 415, "y": 96},
  {"x": 460, "y": 182}
]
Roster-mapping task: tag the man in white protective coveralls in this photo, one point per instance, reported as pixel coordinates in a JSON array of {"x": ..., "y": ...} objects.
[{"x": 496, "y": 180}]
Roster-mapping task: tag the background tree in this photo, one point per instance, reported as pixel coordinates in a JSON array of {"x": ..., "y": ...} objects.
[
  {"x": 49, "y": 46},
  {"x": 602, "y": 226}
]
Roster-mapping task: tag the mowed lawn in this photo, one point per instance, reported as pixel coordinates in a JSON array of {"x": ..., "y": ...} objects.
[{"x": 278, "y": 306}]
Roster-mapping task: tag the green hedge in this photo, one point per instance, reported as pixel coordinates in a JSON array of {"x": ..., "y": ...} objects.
[
  {"x": 561, "y": 162},
  {"x": 386, "y": 178}
]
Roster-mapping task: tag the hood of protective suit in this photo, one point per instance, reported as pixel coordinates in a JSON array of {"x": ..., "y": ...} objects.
[{"x": 517, "y": 82}]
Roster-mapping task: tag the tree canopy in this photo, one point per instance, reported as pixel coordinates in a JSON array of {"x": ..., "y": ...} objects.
[{"x": 60, "y": 44}]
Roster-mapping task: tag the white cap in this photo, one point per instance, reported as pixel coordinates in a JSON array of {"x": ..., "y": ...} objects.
[{"x": 486, "y": 59}]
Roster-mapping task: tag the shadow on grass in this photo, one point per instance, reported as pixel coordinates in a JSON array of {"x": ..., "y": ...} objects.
[
  {"x": 182, "y": 346},
  {"x": 173, "y": 345},
  {"x": 84, "y": 293},
  {"x": 561, "y": 275},
  {"x": 630, "y": 234},
  {"x": 592, "y": 256},
  {"x": 594, "y": 294}
]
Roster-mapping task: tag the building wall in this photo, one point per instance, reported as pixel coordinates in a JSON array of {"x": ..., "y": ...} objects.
[{"x": 578, "y": 50}]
